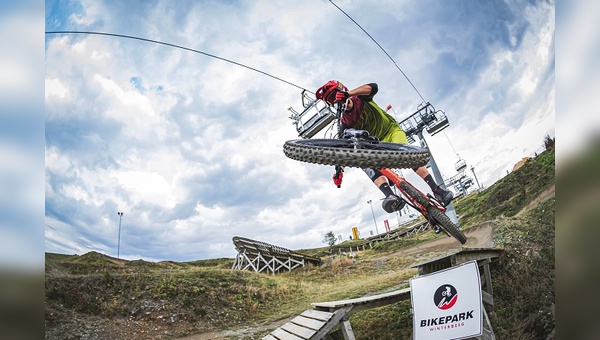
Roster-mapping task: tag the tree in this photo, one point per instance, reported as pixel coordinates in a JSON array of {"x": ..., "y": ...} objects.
[
  {"x": 549, "y": 142},
  {"x": 329, "y": 238}
]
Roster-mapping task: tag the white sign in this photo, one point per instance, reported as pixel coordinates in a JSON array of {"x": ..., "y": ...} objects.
[{"x": 447, "y": 304}]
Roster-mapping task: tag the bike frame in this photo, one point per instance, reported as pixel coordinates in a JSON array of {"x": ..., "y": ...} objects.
[{"x": 397, "y": 179}]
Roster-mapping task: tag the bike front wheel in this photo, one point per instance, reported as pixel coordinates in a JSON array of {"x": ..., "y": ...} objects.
[
  {"x": 360, "y": 154},
  {"x": 444, "y": 222}
]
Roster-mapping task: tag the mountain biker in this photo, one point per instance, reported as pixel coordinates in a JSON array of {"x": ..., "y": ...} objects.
[{"x": 363, "y": 113}]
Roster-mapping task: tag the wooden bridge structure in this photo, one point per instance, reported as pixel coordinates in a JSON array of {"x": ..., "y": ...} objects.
[
  {"x": 264, "y": 257},
  {"x": 261, "y": 257}
]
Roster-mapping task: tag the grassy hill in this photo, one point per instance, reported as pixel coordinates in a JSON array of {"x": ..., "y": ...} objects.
[
  {"x": 96, "y": 296},
  {"x": 510, "y": 194}
]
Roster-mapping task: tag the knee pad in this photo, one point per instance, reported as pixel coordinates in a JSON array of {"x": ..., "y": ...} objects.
[{"x": 372, "y": 173}]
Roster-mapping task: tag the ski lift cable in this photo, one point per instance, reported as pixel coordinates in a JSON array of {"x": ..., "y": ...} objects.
[
  {"x": 384, "y": 51},
  {"x": 177, "y": 46},
  {"x": 449, "y": 142},
  {"x": 395, "y": 64}
]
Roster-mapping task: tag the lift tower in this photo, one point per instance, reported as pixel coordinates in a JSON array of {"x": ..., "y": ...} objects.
[{"x": 427, "y": 118}]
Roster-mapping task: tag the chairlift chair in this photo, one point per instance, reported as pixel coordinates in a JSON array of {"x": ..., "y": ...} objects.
[{"x": 315, "y": 116}]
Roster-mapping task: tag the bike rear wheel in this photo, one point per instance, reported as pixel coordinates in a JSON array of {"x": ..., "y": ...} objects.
[
  {"x": 368, "y": 154},
  {"x": 441, "y": 219}
]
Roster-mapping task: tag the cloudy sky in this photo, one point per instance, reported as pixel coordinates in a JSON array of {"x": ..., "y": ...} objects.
[{"x": 189, "y": 147}]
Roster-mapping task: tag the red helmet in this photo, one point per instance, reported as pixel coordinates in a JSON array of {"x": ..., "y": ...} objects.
[{"x": 327, "y": 91}]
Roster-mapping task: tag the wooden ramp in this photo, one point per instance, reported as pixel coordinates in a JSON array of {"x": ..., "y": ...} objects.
[
  {"x": 325, "y": 316},
  {"x": 363, "y": 303},
  {"x": 264, "y": 257},
  {"x": 320, "y": 322},
  {"x": 311, "y": 324}
]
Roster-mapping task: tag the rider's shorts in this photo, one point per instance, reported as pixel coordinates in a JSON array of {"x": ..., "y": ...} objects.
[{"x": 396, "y": 136}]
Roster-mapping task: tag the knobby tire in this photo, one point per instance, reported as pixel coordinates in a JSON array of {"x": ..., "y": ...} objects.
[
  {"x": 445, "y": 223},
  {"x": 439, "y": 217},
  {"x": 368, "y": 154}
]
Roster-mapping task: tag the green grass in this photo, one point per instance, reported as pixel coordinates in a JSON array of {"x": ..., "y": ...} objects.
[
  {"x": 510, "y": 194},
  {"x": 524, "y": 279}
]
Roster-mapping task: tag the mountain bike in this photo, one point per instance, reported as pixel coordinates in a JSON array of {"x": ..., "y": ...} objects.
[{"x": 356, "y": 148}]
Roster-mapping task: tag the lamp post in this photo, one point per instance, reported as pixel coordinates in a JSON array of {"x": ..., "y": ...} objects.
[
  {"x": 119, "y": 241},
  {"x": 373, "y": 212}
]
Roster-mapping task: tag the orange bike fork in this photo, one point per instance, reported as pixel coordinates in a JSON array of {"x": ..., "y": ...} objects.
[{"x": 392, "y": 176}]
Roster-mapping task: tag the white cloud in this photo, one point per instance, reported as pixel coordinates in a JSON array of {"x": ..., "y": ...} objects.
[
  {"x": 54, "y": 87},
  {"x": 190, "y": 147},
  {"x": 150, "y": 187}
]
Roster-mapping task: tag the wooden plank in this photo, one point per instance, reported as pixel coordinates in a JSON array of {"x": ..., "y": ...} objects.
[
  {"x": 488, "y": 279},
  {"x": 464, "y": 255},
  {"x": 487, "y": 330},
  {"x": 269, "y": 337},
  {"x": 481, "y": 255},
  {"x": 335, "y": 319},
  {"x": 363, "y": 299},
  {"x": 311, "y": 324},
  {"x": 281, "y": 334},
  {"x": 317, "y": 315},
  {"x": 366, "y": 302},
  {"x": 304, "y": 333},
  {"x": 487, "y": 298},
  {"x": 347, "y": 331},
  {"x": 308, "y": 322}
]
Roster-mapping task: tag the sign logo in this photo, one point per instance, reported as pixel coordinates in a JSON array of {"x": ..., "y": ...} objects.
[{"x": 445, "y": 297}]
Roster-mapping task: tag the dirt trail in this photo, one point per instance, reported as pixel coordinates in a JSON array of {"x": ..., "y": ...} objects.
[
  {"x": 477, "y": 237},
  {"x": 544, "y": 195},
  {"x": 247, "y": 331}
]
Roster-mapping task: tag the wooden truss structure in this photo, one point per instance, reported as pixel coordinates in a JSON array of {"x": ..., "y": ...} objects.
[{"x": 263, "y": 257}]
